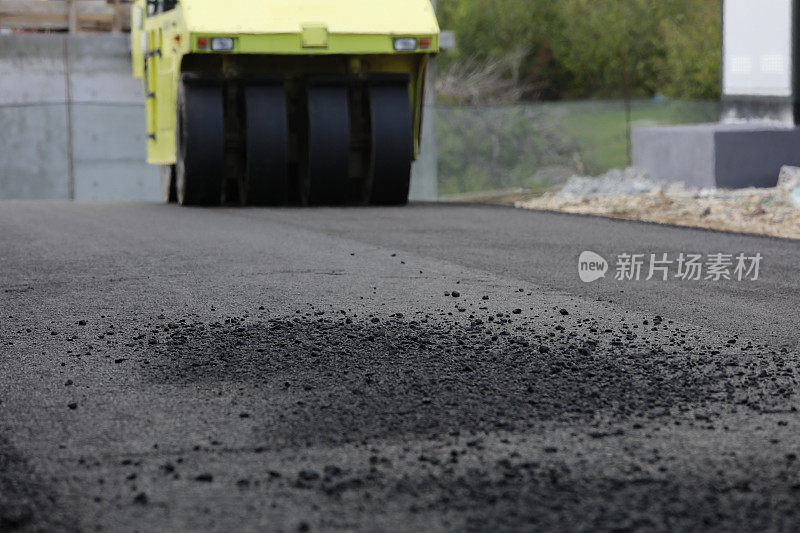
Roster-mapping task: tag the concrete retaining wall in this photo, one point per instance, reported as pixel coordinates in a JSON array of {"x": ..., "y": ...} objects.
[{"x": 73, "y": 119}]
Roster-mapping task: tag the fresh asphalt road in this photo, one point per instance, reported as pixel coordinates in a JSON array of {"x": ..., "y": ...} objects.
[{"x": 168, "y": 369}]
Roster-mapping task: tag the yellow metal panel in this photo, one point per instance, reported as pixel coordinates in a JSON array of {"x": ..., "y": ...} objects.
[{"x": 389, "y": 17}]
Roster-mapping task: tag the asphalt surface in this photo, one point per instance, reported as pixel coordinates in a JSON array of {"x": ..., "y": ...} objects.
[{"x": 430, "y": 368}]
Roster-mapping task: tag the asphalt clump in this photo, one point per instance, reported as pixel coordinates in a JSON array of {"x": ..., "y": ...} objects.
[{"x": 392, "y": 375}]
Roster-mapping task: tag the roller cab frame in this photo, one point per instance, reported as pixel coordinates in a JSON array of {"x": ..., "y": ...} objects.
[{"x": 266, "y": 102}]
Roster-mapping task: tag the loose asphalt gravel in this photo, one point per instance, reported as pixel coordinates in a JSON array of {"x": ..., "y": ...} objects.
[{"x": 430, "y": 368}]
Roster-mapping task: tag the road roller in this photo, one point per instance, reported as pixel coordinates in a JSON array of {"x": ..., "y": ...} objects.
[{"x": 269, "y": 102}]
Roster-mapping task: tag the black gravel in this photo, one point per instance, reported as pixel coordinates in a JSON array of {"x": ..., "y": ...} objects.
[
  {"x": 468, "y": 397},
  {"x": 365, "y": 371}
]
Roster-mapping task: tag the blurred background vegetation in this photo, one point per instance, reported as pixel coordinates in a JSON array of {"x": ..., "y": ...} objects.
[
  {"x": 538, "y": 90},
  {"x": 565, "y": 49}
]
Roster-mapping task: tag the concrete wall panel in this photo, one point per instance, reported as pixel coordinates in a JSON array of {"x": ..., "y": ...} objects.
[
  {"x": 100, "y": 69},
  {"x": 108, "y": 147},
  {"x": 108, "y": 132},
  {"x": 116, "y": 180},
  {"x": 92, "y": 148},
  {"x": 32, "y": 68},
  {"x": 33, "y": 152}
]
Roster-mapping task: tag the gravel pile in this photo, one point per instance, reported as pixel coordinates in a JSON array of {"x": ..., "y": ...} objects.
[
  {"x": 613, "y": 182},
  {"x": 630, "y": 194},
  {"x": 450, "y": 414}
]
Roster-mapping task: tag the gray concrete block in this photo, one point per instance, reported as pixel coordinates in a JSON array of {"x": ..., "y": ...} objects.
[
  {"x": 676, "y": 153},
  {"x": 717, "y": 155},
  {"x": 33, "y": 157}
]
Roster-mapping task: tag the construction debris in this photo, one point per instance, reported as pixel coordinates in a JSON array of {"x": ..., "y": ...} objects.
[
  {"x": 613, "y": 183},
  {"x": 632, "y": 195}
]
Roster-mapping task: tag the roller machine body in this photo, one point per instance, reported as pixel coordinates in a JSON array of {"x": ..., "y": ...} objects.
[{"x": 266, "y": 102}]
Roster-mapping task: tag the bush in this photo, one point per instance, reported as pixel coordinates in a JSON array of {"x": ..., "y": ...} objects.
[{"x": 511, "y": 50}]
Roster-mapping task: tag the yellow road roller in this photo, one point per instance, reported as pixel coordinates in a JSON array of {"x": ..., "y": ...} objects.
[{"x": 268, "y": 102}]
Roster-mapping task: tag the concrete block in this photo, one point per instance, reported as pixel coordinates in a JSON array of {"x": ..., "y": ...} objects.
[
  {"x": 676, "y": 153},
  {"x": 717, "y": 155}
]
